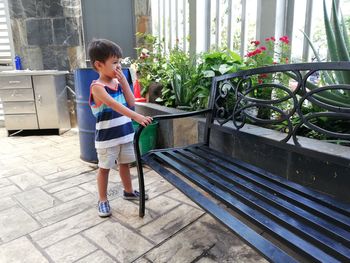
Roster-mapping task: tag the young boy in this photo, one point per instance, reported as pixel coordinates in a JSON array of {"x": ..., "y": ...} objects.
[{"x": 111, "y": 101}]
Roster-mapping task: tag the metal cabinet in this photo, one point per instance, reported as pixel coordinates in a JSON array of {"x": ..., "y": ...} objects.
[{"x": 36, "y": 101}]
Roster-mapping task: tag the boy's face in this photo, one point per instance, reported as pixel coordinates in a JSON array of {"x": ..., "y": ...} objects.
[{"x": 110, "y": 67}]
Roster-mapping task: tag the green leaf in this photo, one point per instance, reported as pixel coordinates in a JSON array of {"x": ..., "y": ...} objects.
[
  {"x": 214, "y": 54},
  {"x": 312, "y": 46},
  {"x": 330, "y": 35},
  {"x": 345, "y": 32},
  {"x": 327, "y": 97},
  {"x": 343, "y": 52},
  {"x": 328, "y": 79},
  {"x": 236, "y": 57},
  {"x": 165, "y": 91},
  {"x": 215, "y": 67},
  {"x": 224, "y": 68},
  {"x": 332, "y": 45}
]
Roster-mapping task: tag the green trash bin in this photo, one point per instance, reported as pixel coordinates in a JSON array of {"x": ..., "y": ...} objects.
[{"x": 148, "y": 137}]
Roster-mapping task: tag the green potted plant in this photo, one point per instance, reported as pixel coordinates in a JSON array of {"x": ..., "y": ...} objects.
[
  {"x": 339, "y": 50},
  {"x": 150, "y": 65}
]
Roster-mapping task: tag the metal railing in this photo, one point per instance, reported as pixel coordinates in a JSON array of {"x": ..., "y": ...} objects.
[{"x": 201, "y": 25}]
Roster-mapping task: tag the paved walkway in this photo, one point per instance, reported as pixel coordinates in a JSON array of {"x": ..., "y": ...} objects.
[{"x": 48, "y": 212}]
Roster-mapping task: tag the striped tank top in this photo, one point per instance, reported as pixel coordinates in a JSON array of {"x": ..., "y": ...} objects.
[{"x": 112, "y": 128}]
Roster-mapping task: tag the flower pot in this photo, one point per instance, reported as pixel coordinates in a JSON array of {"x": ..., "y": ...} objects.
[{"x": 148, "y": 137}]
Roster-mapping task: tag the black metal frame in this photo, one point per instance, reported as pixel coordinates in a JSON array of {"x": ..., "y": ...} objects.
[
  {"x": 268, "y": 201},
  {"x": 213, "y": 109},
  {"x": 301, "y": 72}
]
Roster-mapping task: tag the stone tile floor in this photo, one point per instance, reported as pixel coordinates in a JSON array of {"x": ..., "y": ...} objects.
[{"x": 48, "y": 212}]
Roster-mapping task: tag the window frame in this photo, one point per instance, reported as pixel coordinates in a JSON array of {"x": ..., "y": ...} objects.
[{"x": 10, "y": 64}]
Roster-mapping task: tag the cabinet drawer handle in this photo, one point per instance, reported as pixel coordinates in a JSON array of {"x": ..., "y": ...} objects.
[
  {"x": 14, "y": 81},
  {"x": 39, "y": 99}
]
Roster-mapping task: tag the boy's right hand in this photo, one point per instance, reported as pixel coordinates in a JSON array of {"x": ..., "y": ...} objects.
[{"x": 143, "y": 120}]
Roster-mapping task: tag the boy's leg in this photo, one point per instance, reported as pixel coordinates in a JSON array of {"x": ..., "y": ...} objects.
[
  {"x": 102, "y": 182},
  {"x": 127, "y": 156},
  {"x": 124, "y": 172},
  {"x": 129, "y": 193},
  {"x": 106, "y": 160}
]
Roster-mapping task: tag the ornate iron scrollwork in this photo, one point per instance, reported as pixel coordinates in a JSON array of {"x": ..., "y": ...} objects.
[{"x": 235, "y": 100}]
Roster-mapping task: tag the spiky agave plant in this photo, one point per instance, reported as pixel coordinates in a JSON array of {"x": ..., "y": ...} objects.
[{"x": 339, "y": 50}]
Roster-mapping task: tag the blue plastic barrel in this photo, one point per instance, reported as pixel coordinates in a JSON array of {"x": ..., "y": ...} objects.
[{"x": 86, "y": 120}]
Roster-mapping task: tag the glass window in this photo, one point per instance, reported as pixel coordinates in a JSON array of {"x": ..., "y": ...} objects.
[{"x": 6, "y": 51}]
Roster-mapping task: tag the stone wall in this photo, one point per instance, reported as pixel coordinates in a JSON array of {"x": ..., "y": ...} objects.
[{"x": 47, "y": 34}]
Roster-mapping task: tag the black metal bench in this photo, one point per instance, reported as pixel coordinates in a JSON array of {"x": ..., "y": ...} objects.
[{"x": 301, "y": 224}]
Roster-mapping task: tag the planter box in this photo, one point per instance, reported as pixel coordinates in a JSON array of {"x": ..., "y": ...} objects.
[
  {"x": 171, "y": 133},
  {"x": 320, "y": 165}
]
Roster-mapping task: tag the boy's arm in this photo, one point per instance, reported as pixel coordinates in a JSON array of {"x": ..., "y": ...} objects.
[
  {"x": 101, "y": 94},
  {"x": 129, "y": 96}
]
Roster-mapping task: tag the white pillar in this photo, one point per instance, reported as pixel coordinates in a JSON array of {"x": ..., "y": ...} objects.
[
  {"x": 307, "y": 29},
  {"x": 244, "y": 32},
  {"x": 207, "y": 26},
  {"x": 266, "y": 18},
  {"x": 193, "y": 26}
]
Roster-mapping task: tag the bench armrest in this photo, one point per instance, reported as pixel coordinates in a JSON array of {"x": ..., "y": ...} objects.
[
  {"x": 180, "y": 115},
  {"x": 138, "y": 152}
]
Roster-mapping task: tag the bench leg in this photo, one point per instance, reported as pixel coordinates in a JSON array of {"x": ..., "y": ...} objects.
[
  {"x": 139, "y": 171},
  {"x": 141, "y": 187}
]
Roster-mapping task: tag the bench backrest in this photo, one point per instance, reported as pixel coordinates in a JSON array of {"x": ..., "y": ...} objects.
[{"x": 281, "y": 96}]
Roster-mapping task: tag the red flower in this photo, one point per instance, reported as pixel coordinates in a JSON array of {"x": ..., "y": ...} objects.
[
  {"x": 260, "y": 81},
  {"x": 255, "y": 42},
  {"x": 285, "y": 39},
  {"x": 262, "y": 55}
]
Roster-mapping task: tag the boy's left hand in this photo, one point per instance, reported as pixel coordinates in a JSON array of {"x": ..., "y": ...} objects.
[{"x": 119, "y": 74}]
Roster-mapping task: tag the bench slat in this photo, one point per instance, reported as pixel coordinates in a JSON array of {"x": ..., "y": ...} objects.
[
  {"x": 313, "y": 206},
  {"x": 265, "y": 247},
  {"x": 205, "y": 169},
  {"x": 305, "y": 248},
  {"x": 341, "y": 207},
  {"x": 340, "y": 234}
]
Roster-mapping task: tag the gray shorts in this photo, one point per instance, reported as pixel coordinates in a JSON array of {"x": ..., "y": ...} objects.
[{"x": 123, "y": 153}]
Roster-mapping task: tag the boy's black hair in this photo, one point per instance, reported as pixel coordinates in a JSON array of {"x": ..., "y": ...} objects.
[{"x": 102, "y": 49}]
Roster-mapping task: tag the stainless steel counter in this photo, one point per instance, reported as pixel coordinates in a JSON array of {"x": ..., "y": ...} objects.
[
  {"x": 34, "y": 99},
  {"x": 31, "y": 72}
]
